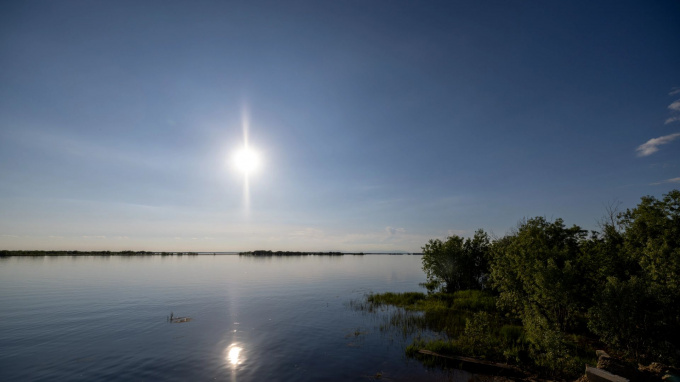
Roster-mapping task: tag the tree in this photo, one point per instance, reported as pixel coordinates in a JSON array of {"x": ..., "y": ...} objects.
[
  {"x": 457, "y": 263},
  {"x": 637, "y": 308},
  {"x": 538, "y": 270}
]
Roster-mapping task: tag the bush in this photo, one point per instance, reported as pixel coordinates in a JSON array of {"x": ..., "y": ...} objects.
[
  {"x": 474, "y": 300},
  {"x": 637, "y": 307},
  {"x": 457, "y": 263}
]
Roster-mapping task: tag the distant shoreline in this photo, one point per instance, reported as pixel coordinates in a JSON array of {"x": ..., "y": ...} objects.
[{"x": 258, "y": 253}]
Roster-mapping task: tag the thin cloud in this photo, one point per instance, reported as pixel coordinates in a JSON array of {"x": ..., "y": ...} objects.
[
  {"x": 394, "y": 231},
  {"x": 652, "y": 145},
  {"x": 672, "y": 119},
  {"x": 671, "y": 180},
  {"x": 675, "y": 106}
]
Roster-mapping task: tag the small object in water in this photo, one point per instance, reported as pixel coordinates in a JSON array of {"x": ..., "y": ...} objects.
[{"x": 179, "y": 320}]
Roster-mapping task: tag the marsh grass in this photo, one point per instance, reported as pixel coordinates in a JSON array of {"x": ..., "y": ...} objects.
[
  {"x": 402, "y": 300},
  {"x": 465, "y": 323}
]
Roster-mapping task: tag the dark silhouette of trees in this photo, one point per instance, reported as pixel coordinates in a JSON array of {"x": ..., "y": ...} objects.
[{"x": 457, "y": 263}]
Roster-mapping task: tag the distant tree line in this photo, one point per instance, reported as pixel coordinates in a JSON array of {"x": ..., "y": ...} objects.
[
  {"x": 292, "y": 253},
  {"x": 6, "y": 253},
  {"x": 619, "y": 285}
]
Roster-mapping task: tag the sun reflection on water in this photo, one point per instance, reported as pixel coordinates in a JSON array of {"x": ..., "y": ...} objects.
[{"x": 234, "y": 355}]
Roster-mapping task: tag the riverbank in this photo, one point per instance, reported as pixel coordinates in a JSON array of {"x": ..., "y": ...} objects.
[
  {"x": 465, "y": 330},
  {"x": 467, "y": 323}
]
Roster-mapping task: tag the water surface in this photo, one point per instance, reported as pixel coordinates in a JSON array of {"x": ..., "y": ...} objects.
[{"x": 253, "y": 319}]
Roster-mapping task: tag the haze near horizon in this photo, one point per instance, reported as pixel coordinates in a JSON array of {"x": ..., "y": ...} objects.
[{"x": 374, "y": 126}]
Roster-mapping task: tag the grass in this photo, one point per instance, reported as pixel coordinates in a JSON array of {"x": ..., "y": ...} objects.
[
  {"x": 402, "y": 300},
  {"x": 466, "y": 300}
]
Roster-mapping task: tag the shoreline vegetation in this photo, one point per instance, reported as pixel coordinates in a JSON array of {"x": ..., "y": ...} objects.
[{"x": 549, "y": 299}]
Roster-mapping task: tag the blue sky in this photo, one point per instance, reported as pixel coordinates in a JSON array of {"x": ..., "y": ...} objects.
[{"x": 381, "y": 124}]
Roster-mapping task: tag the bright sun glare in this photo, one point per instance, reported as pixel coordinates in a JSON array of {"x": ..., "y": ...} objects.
[
  {"x": 246, "y": 160},
  {"x": 233, "y": 355}
]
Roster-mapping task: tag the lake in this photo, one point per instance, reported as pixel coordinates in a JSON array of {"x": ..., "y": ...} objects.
[{"x": 94, "y": 318}]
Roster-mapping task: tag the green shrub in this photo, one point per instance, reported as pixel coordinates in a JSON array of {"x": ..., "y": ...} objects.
[
  {"x": 474, "y": 301},
  {"x": 478, "y": 338}
]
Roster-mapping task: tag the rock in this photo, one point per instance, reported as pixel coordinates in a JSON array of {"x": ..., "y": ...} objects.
[
  {"x": 616, "y": 367},
  {"x": 601, "y": 353},
  {"x": 656, "y": 371},
  {"x": 599, "y": 375},
  {"x": 654, "y": 368}
]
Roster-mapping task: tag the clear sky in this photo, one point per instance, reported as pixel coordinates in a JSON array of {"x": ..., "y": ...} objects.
[{"x": 380, "y": 124}]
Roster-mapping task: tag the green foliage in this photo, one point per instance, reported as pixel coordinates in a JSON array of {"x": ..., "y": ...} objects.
[
  {"x": 457, "y": 263},
  {"x": 402, "y": 300},
  {"x": 652, "y": 239},
  {"x": 514, "y": 343},
  {"x": 546, "y": 275},
  {"x": 549, "y": 348},
  {"x": 473, "y": 301},
  {"x": 558, "y": 291},
  {"x": 438, "y": 346},
  {"x": 637, "y": 308},
  {"x": 477, "y": 338},
  {"x": 622, "y": 315},
  {"x": 463, "y": 300},
  {"x": 538, "y": 270},
  {"x": 439, "y": 312}
]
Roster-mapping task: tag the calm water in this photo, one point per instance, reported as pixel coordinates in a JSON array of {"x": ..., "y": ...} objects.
[{"x": 254, "y": 319}]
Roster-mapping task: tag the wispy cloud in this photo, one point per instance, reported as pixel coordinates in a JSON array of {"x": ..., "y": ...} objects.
[
  {"x": 652, "y": 145},
  {"x": 672, "y": 119},
  {"x": 394, "y": 231},
  {"x": 674, "y": 107},
  {"x": 674, "y": 91},
  {"x": 671, "y": 180}
]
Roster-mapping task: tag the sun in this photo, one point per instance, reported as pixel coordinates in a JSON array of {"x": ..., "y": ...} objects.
[{"x": 246, "y": 160}]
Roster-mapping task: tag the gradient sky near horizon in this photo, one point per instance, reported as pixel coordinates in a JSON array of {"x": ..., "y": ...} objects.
[{"x": 381, "y": 124}]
